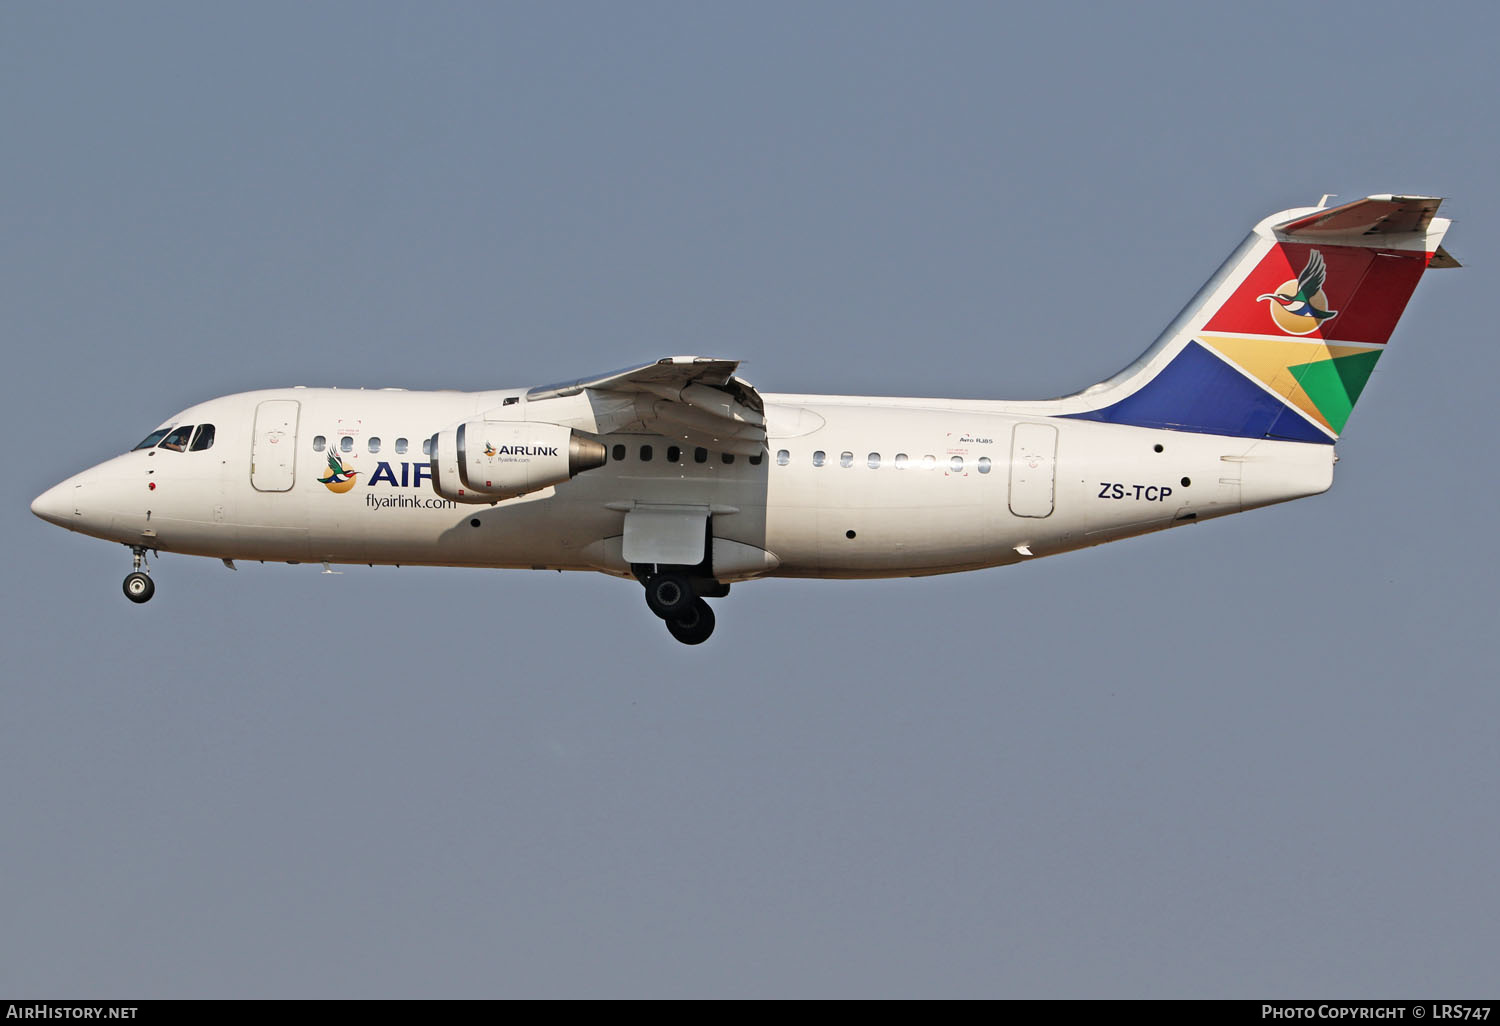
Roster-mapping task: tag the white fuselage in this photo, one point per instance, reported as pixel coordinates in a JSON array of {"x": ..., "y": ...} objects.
[{"x": 928, "y": 486}]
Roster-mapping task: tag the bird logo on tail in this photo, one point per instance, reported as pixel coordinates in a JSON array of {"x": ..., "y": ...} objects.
[{"x": 1299, "y": 307}]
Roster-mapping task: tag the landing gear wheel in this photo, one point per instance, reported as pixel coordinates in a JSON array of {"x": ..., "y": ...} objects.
[
  {"x": 139, "y": 587},
  {"x": 694, "y": 626},
  {"x": 669, "y": 595}
]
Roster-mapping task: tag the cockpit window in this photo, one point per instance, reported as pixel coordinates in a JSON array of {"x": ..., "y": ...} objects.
[
  {"x": 177, "y": 440},
  {"x": 204, "y": 439},
  {"x": 150, "y": 440}
]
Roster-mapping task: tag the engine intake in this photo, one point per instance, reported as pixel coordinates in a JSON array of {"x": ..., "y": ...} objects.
[{"x": 485, "y": 461}]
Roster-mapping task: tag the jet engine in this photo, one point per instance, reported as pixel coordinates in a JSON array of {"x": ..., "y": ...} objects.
[{"x": 485, "y": 461}]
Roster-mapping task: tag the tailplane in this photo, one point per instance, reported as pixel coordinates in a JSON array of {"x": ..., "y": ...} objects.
[{"x": 1281, "y": 341}]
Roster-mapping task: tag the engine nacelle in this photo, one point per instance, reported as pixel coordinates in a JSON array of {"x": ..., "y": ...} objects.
[{"x": 489, "y": 460}]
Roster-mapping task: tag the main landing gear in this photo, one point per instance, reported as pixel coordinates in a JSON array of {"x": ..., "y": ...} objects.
[
  {"x": 675, "y": 597},
  {"x": 695, "y": 625},
  {"x": 138, "y": 584}
]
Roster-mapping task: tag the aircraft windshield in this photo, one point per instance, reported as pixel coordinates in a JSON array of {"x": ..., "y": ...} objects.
[
  {"x": 180, "y": 439},
  {"x": 177, "y": 441}
]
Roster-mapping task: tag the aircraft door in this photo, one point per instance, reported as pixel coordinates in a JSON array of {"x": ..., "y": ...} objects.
[
  {"x": 1033, "y": 469},
  {"x": 273, "y": 448}
]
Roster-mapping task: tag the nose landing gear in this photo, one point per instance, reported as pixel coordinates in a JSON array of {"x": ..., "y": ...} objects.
[{"x": 138, "y": 584}]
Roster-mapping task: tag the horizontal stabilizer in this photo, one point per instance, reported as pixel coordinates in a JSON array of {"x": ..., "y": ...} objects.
[
  {"x": 1442, "y": 259},
  {"x": 1373, "y": 215}
]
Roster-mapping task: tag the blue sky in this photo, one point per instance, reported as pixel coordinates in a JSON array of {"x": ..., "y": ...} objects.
[{"x": 1242, "y": 759}]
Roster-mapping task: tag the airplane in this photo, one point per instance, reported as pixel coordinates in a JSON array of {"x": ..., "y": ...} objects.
[{"x": 681, "y": 475}]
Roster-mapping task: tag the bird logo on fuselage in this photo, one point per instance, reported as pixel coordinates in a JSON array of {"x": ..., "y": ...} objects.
[
  {"x": 340, "y": 478},
  {"x": 1298, "y": 306}
]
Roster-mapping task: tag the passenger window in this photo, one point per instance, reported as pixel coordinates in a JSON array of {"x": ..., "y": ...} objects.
[
  {"x": 956, "y": 464},
  {"x": 700, "y": 455},
  {"x": 727, "y": 457},
  {"x": 618, "y": 453},
  {"x": 374, "y": 444},
  {"x": 819, "y": 457},
  {"x": 928, "y": 462},
  {"x": 673, "y": 454},
  {"x": 901, "y": 459},
  {"x": 873, "y": 461},
  {"x": 204, "y": 439},
  {"x": 426, "y": 447},
  {"x": 150, "y": 440},
  {"x": 346, "y": 444},
  {"x": 846, "y": 459},
  {"x": 318, "y": 442},
  {"x": 783, "y": 457},
  {"x": 755, "y": 460},
  {"x": 984, "y": 464},
  {"x": 177, "y": 441},
  {"x": 645, "y": 454},
  {"x": 400, "y": 447}
]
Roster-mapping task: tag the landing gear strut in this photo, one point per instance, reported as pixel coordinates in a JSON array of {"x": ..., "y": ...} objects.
[
  {"x": 138, "y": 584},
  {"x": 671, "y": 594}
]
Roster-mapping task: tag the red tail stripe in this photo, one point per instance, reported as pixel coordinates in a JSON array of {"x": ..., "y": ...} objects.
[{"x": 1369, "y": 288}]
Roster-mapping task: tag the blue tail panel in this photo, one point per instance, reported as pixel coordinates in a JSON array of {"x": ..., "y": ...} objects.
[{"x": 1197, "y": 391}]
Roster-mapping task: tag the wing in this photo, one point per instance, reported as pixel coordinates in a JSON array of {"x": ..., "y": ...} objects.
[
  {"x": 697, "y": 399},
  {"x": 1310, "y": 281}
]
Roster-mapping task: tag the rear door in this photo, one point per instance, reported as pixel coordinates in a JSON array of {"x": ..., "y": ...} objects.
[
  {"x": 273, "y": 448},
  {"x": 1033, "y": 468}
]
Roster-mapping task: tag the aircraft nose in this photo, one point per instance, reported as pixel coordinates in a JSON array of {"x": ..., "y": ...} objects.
[{"x": 58, "y": 504}]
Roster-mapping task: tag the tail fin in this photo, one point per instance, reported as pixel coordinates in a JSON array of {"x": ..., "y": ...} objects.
[{"x": 1280, "y": 343}]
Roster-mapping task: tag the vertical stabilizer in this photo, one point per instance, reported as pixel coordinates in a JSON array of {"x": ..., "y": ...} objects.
[{"x": 1280, "y": 343}]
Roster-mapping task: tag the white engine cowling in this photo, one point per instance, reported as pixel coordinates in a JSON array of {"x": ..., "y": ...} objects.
[{"x": 487, "y": 460}]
